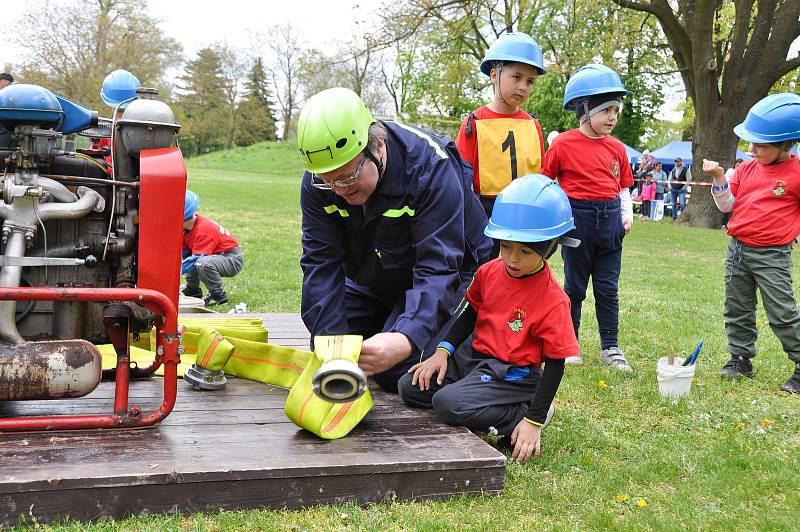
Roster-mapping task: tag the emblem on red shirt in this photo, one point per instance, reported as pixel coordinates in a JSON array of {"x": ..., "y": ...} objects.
[
  {"x": 779, "y": 188},
  {"x": 614, "y": 168},
  {"x": 517, "y": 320}
]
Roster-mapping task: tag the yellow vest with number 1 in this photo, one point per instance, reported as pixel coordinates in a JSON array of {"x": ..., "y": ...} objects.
[{"x": 508, "y": 148}]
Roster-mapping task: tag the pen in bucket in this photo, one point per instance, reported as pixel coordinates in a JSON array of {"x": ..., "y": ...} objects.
[{"x": 690, "y": 360}]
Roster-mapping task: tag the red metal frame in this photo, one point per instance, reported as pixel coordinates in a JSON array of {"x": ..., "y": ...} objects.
[{"x": 167, "y": 352}]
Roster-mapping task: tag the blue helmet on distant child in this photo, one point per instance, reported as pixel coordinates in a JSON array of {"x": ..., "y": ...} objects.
[
  {"x": 118, "y": 87},
  {"x": 592, "y": 80},
  {"x": 190, "y": 204},
  {"x": 533, "y": 208},
  {"x": 776, "y": 118},
  {"x": 514, "y": 47}
]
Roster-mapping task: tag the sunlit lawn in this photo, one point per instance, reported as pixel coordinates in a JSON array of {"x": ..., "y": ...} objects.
[{"x": 726, "y": 458}]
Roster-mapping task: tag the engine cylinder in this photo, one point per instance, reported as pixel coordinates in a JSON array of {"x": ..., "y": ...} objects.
[{"x": 49, "y": 370}]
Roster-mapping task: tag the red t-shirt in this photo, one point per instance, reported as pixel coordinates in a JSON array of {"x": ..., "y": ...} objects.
[
  {"x": 588, "y": 168},
  {"x": 767, "y": 207},
  {"x": 207, "y": 237},
  {"x": 521, "y": 320},
  {"x": 468, "y": 145}
]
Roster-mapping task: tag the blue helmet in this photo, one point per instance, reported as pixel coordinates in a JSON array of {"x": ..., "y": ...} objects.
[
  {"x": 591, "y": 80},
  {"x": 514, "y": 47},
  {"x": 533, "y": 208},
  {"x": 190, "y": 204},
  {"x": 119, "y": 86},
  {"x": 776, "y": 118}
]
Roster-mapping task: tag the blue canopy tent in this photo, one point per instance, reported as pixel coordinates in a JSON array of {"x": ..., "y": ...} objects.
[
  {"x": 667, "y": 154},
  {"x": 633, "y": 154}
]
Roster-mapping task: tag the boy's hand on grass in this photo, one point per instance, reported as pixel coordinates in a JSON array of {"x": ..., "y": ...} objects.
[
  {"x": 436, "y": 364},
  {"x": 713, "y": 169},
  {"x": 383, "y": 351},
  {"x": 527, "y": 440}
]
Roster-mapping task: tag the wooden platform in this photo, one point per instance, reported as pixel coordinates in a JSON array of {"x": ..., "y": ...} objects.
[{"x": 233, "y": 449}]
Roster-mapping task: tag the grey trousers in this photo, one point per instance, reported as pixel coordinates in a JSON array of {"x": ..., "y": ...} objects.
[
  {"x": 210, "y": 269},
  {"x": 770, "y": 270},
  {"x": 479, "y": 391}
]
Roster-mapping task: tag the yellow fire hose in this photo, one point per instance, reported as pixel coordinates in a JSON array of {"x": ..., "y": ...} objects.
[{"x": 238, "y": 346}]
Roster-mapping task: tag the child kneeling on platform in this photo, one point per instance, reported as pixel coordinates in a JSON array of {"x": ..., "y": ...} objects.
[{"x": 517, "y": 316}]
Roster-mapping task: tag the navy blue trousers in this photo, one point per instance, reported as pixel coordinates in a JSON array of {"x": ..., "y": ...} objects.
[
  {"x": 598, "y": 225},
  {"x": 369, "y": 314},
  {"x": 479, "y": 391}
]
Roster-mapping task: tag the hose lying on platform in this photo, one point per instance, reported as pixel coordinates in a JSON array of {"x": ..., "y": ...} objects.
[{"x": 239, "y": 347}]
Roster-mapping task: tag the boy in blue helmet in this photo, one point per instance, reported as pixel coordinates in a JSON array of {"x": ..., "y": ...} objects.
[
  {"x": 593, "y": 169},
  {"x": 764, "y": 197},
  {"x": 500, "y": 140},
  {"x": 209, "y": 253},
  {"x": 518, "y": 318}
]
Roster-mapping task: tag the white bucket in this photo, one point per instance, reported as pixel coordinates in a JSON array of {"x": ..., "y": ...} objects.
[{"x": 674, "y": 380}]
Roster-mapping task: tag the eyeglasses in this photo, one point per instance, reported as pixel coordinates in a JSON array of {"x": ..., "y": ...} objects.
[{"x": 339, "y": 183}]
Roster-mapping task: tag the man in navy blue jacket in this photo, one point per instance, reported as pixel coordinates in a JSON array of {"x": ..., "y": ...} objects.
[{"x": 392, "y": 232}]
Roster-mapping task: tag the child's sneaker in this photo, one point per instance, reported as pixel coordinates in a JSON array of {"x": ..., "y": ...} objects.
[
  {"x": 737, "y": 366},
  {"x": 213, "y": 300},
  {"x": 793, "y": 384},
  {"x": 192, "y": 292},
  {"x": 614, "y": 357},
  {"x": 575, "y": 360}
]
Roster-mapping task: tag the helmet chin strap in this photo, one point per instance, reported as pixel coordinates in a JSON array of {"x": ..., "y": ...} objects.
[
  {"x": 589, "y": 118},
  {"x": 499, "y": 69}
]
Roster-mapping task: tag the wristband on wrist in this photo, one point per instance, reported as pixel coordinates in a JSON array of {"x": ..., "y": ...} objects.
[
  {"x": 447, "y": 346},
  {"x": 720, "y": 187},
  {"x": 533, "y": 422}
]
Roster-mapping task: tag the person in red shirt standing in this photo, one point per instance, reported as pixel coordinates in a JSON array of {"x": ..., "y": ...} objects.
[
  {"x": 209, "y": 253},
  {"x": 500, "y": 140},
  {"x": 764, "y": 197},
  {"x": 592, "y": 167},
  {"x": 518, "y": 318}
]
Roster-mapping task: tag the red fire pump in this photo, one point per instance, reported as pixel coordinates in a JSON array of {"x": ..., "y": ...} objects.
[{"x": 91, "y": 253}]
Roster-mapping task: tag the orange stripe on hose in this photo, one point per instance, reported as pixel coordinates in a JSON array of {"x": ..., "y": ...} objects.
[
  {"x": 292, "y": 367},
  {"x": 303, "y": 408},
  {"x": 339, "y": 415},
  {"x": 210, "y": 351}
]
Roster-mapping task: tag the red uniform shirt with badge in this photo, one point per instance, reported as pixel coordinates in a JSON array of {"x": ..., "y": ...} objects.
[
  {"x": 207, "y": 237},
  {"x": 500, "y": 147},
  {"x": 521, "y": 320},
  {"x": 588, "y": 168},
  {"x": 767, "y": 207}
]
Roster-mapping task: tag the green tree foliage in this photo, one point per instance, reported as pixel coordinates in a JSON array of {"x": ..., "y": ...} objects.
[
  {"x": 202, "y": 103},
  {"x": 70, "y": 49},
  {"x": 449, "y": 39},
  {"x": 730, "y": 54},
  {"x": 255, "y": 121}
]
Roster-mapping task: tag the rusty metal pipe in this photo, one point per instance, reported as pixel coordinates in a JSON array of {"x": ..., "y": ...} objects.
[{"x": 168, "y": 343}]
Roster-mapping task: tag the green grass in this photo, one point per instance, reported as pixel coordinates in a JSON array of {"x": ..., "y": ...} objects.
[{"x": 706, "y": 462}]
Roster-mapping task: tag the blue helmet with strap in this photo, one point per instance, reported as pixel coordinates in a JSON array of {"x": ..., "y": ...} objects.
[
  {"x": 190, "y": 204},
  {"x": 533, "y": 208},
  {"x": 118, "y": 87},
  {"x": 514, "y": 47},
  {"x": 592, "y": 80},
  {"x": 776, "y": 118}
]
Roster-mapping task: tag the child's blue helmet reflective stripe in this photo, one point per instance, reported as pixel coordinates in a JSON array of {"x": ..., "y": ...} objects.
[
  {"x": 533, "y": 208},
  {"x": 190, "y": 204},
  {"x": 119, "y": 86},
  {"x": 776, "y": 118},
  {"x": 517, "y": 47},
  {"x": 590, "y": 80}
]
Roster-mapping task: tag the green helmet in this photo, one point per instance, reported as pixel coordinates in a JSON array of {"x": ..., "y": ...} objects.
[{"x": 332, "y": 129}]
